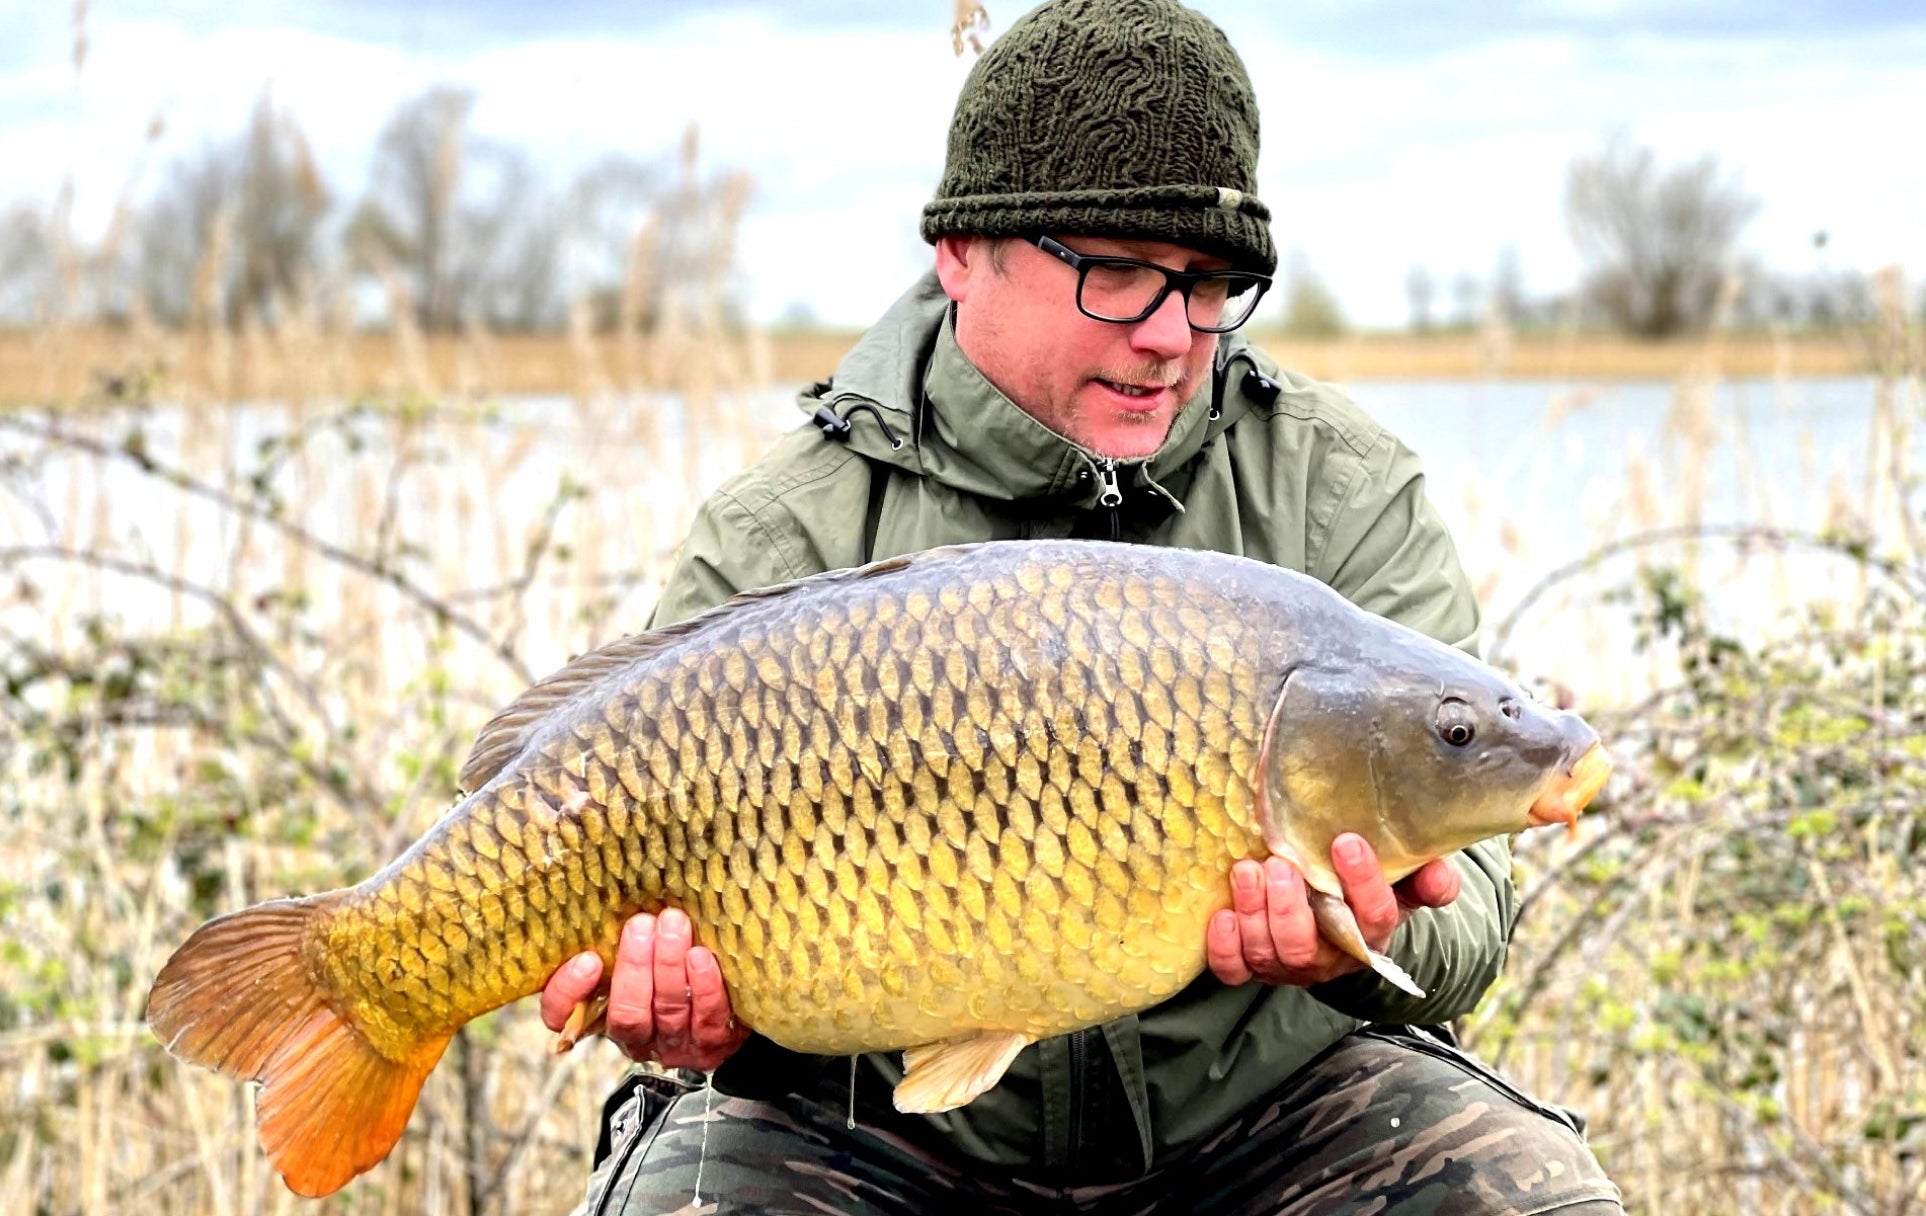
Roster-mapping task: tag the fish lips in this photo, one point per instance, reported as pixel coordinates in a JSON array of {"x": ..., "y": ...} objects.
[{"x": 1572, "y": 790}]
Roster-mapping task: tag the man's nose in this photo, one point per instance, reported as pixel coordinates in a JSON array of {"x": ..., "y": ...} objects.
[{"x": 1165, "y": 333}]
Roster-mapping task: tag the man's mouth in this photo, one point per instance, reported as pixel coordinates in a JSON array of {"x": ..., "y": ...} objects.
[{"x": 1141, "y": 396}]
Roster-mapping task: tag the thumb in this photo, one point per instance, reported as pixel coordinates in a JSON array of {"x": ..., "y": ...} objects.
[
  {"x": 1432, "y": 885},
  {"x": 573, "y": 983}
]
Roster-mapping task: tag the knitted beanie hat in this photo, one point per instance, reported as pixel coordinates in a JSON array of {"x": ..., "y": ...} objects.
[{"x": 1130, "y": 119}]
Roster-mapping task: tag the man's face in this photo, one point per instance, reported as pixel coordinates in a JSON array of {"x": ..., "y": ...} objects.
[{"x": 1114, "y": 389}]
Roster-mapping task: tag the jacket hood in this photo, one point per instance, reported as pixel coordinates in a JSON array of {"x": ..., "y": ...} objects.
[{"x": 972, "y": 438}]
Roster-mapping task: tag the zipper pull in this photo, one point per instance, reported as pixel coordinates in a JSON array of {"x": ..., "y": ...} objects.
[{"x": 1111, "y": 494}]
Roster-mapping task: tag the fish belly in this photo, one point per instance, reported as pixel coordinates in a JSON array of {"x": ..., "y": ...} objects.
[{"x": 1037, "y": 973}]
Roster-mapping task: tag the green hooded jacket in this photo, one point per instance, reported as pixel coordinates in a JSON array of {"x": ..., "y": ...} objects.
[{"x": 912, "y": 447}]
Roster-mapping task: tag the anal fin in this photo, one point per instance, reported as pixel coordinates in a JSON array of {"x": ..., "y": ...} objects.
[
  {"x": 1340, "y": 928},
  {"x": 943, "y": 1076}
]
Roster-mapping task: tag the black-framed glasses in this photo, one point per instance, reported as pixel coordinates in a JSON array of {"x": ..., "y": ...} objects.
[{"x": 1123, "y": 290}]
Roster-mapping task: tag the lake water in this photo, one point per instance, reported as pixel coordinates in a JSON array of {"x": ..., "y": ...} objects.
[{"x": 1529, "y": 476}]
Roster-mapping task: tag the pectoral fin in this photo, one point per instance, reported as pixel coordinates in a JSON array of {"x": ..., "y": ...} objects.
[
  {"x": 588, "y": 1018},
  {"x": 943, "y": 1076},
  {"x": 1340, "y": 928}
]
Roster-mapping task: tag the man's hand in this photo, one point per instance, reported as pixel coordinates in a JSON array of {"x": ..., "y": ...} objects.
[
  {"x": 667, "y": 1001},
  {"x": 1269, "y": 933}
]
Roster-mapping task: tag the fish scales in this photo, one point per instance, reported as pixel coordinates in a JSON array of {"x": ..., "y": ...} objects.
[
  {"x": 955, "y": 802},
  {"x": 750, "y": 697}
]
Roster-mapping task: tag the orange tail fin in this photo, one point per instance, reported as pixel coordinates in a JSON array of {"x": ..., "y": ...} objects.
[{"x": 239, "y": 998}]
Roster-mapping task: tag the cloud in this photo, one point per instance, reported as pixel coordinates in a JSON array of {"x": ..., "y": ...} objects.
[
  {"x": 1374, "y": 159},
  {"x": 1373, "y": 166},
  {"x": 461, "y": 26},
  {"x": 1380, "y": 27}
]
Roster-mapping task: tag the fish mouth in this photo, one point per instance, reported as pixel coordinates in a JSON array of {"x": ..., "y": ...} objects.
[{"x": 1572, "y": 791}]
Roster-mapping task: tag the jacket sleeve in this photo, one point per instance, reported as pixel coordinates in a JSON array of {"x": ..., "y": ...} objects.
[
  {"x": 1386, "y": 549},
  {"x": 728, "y": 549}
]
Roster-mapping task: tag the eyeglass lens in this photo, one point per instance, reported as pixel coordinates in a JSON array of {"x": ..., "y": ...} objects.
[{"x": 1124, "y": 293}]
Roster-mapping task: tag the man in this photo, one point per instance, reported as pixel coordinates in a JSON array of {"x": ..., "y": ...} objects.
[{"x": 1072, "y": 368}]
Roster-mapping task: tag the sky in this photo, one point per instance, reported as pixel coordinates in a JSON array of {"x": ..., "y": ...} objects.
[{"x": 1395, "y": 132}]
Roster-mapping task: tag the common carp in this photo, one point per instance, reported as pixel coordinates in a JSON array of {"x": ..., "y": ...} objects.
[{"x": 949, "y": 803}]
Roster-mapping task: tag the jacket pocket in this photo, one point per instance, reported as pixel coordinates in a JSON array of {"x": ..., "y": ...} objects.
[
  {"x": 630, "y": 1119},
  {"x": 1435, "y": 1043},
  {"x": 635, "y": 1106}
]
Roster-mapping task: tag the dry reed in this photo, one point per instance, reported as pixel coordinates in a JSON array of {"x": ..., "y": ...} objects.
[
  {"x": 1725, "y": 971},
  {"x": 246, "y": 645},
  {"x": 88, "y": 367}
]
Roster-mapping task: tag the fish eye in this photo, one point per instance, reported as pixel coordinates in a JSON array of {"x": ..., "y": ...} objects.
[{"x": 1457, "y": 725}]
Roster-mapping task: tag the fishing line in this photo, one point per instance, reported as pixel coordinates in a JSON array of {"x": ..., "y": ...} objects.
[
  {"x": 702, "y": 1156},
  {"x": 851, "y": 1124}
]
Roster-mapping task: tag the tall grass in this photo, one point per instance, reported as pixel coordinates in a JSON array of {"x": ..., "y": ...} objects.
[
  {"x": 1728, "y": 971},
  {"x": 256, "y": 600},
  {"x": 246, "y": 643},
  {"x": 246, "y": 648}
]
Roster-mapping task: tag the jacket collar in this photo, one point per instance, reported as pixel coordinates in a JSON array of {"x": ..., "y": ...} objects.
[{"x": 910, "y": 398}]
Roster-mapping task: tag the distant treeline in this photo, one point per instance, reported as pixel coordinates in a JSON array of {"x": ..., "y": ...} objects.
[
  {"x": 455, "y": 231},
  {"x": 452, "y": 230},
  {"x": 1662, "y": 256}
]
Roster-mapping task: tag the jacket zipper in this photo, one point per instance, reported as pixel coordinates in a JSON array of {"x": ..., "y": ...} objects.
[
  {"x": 1110, "y": 495},
  {"x": 1073, "y": 1150}
]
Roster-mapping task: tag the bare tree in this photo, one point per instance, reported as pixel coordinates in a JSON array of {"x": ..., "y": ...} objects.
[
  {"x": 1310, "y": 307},
  {"x": 1467, "y": 295},
  {"x": 242, "y": 216},
  {"x": 1419, "y": 289},
  {"x": 178, "y": 231},
  {"x": 463, "y": 219},
  {"x": 28, "y": 279},
  {"x": 1508, "y": 285},
  {"x": 612, "y": 207},
  {"x": 1657, "y": 242},
  {"x": 280, "y": 206},
  {"x": 505, "y": 257},
  {"x": 407, "y": 218},
  {"x": 654, "y": 243},
  {"x": 692, "y": 269}
]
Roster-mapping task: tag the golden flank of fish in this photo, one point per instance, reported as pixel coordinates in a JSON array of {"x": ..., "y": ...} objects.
[{"x": 948, "y": 804}]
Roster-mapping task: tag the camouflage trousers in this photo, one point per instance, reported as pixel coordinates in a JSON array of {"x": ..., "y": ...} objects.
[{"x": 1389, "y": 1122}]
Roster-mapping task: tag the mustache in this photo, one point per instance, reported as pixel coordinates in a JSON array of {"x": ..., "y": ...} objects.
[{"x": 1158, "y": 375}]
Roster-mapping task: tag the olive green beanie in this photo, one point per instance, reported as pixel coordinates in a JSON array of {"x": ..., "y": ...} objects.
[{"x": 1113, "y": 118}]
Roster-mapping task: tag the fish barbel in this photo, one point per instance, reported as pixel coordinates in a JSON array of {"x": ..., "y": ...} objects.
[{"x": 950, "y": 804}]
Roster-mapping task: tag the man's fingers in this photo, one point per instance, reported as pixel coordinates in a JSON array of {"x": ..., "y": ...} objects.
[
  {"x": 1224, "y": 949},
  {"x": 572, "y": 984},
  {"x": 1371, "y": 899},
  {"x": 711, "y": 1021},
  {"x": 1432, "y": 885},
  {"x": 1249, "y": 902},
  {"x": 1292, "y": 927},
  {"x": 631, "y": 1023},
  {"x": 672, "y": 996}
]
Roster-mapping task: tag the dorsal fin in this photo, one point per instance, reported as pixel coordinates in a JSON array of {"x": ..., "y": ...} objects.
[{"x": 507, "y": 733}]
